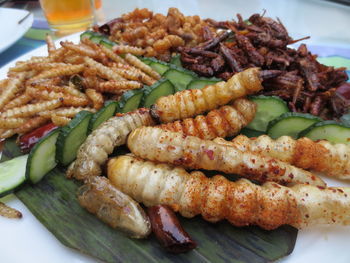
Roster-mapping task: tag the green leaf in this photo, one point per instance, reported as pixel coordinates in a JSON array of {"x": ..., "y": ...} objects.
[{"x": 53, "y": 201}]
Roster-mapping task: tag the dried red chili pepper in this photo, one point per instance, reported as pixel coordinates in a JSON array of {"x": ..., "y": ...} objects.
[{"x": 27, "y": 141}]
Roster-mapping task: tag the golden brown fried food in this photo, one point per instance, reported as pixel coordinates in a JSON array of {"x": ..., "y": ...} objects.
[
  {"x": 13, "y": 86},
  {"x": 154, "y": 144},
  {"x": 102, "y": 141},
  {"x": 9, "y": 212},
  {"x": 242, "y": 203},
  {"x": 189, "y": 103},
  {"x": 134, "y": 61},
  {"x": 113, "y": 207},
  {"x": 226, "y": 121},
  {"x": 320, "y": 156}
]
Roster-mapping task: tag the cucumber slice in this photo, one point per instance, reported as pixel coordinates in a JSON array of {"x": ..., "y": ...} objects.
[
  {"x": 268, "y": 108},
  {"x": 159, "y": 66},
  {"x": 291, "y": 124},
  {"x": 12, "y": 174},
  {"x": 130, "y": 100},
  {"x": 251, "y": 133},
  {"x": 97, "y": 38},
  {"x": 180, "y": 78},
  {"x": 107, "y": 43},
  {"x": 157, "y": 90},
  {"x": 331, "y": 131},
  {"x": 41, "y": 158},
  {"x": 175, "y": 60},
  {"x": 103, "y": 114},
  {"x": 201, "y": 83},
  {"x": 87, "y": 34},
  {"x": 71, "y": 137}
]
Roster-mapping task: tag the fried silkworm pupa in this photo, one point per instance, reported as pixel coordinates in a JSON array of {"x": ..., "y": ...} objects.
[
  {"x": 176, "y": 148},
  {"x": 168, "y": 230},
  {"x": 113, "y": 207},
  {"x": 9, "y": 212},
  {"x": 242, "y": 203}
]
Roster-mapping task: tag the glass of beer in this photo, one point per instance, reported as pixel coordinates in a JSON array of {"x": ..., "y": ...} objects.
[{"x": 68, "y": 16}]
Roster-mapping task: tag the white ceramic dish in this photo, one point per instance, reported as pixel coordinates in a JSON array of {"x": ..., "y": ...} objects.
[
  {"x": 11, "y": 30},
  {"x": 26, "y": 240}
]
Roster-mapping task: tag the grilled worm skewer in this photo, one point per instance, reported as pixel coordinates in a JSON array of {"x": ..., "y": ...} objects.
[
  {"x": 241, "y": 203},
  {"x": 155, "y": 144}
]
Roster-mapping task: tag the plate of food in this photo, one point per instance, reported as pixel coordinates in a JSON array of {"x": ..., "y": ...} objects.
[
  {"x": 177, "y": 139},
  {"x": 17, "y": 24}
]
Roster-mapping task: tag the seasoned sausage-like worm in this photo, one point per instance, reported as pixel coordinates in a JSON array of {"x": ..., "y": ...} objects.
[
  {"x": 241, "y": 203},
  {"x": 113, "y": 207},
  {"x": 189, "y": 103},
  {"x": 94, "y": 151},
  {"x": 222, "y": 122},
  {"x": 192, "y": 152},
  {"x": 320, "y": 156}
]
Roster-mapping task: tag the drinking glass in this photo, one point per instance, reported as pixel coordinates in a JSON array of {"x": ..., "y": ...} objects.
[{"x": 68, "y": 16}]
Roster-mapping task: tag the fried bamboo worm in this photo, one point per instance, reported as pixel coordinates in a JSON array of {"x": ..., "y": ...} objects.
[
  {"x": 192, "y": 152},
  {"x": 189, "y": 103},
  {"x": 113, "y": 207},
  {"x": 320, "y": 156},
  {"x": 242, "y": 203},
  {"x": 12, "y": 87},
  {"x": 226, "y": 121},
  {"x": 9, "y": 212},
  {"x": 101, "y": 142}
]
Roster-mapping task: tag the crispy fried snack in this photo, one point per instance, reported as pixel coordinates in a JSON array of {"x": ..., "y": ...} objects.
[
  {"x": 320, "y": 156},
  {"x": 123, "y": 49},
  {"x": 113, "y": 207},
  {"x": 96, "y": 98},
  {"x": 189, "y": 103},
  {"x": 9, "y": 123},
  {"x": 242, "y": 203},
  {"x": 226, "y": 121},
  {"x": 9, "y": 212},
  {"x": 134, "y": 61},
  {"x": 102, "y": 141},
  {"x": 60, "y": 120},
  {"x": 31, "y": 124},
  {"x": 154, "y": 144},
  {"x": 102, "y": 70},
  {"x": 13, "y": 86},
  {"x": 118, "y": 87}
]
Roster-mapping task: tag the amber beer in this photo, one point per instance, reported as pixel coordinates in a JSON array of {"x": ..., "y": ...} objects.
[{"x": 68, "y": 15}]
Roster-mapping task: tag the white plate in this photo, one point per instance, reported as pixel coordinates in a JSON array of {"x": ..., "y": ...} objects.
[
  {"x": 26, "y": 240},
  {"x": 10, "y": 29}
]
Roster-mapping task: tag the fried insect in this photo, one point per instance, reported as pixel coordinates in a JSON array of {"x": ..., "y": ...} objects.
[
  {"x": 118, "y": 87},
  {"x": 132, "y": 73},
  {"x": 50, "y": 44},
  {"x": 320, "y": 156},
  {"x": 176, "y": 148},
  {"x": 96, "y": 98},
  {"x": 13, "y": 86},
  {"x": 226, "y": 121},
  {"x": 56, "y": 72},
  {"x": 9, "y": 212},
  {"x": 189, "y": 103},
  {"x": 102, "y": 70},
  {"x": 19, "y": 101},
  {"x": 102, "y": 141},
  {"x": 168, "y": 42},
  {"x": 9, "y": 123},
  {"x": 31, "y": 109},
  {"x": 60, "y": 120},
  {"x": 134, "y": 61},
  {"x": 242, "y": 203},
  {"x": 109, "y": 53},
  {"x": 31, "y": 124},
  {"x": 113, "y": 207},
  {"x": 124, "y": 49},
  {"x": 72, "y": 111},
  {"x": 83, "y": 50}
]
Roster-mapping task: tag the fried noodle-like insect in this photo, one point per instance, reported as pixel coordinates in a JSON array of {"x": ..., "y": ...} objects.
[
  {"x": 123, "y": 49},
  {"x": 96, "y": 98},
  {"x": 242, "y": 203},
  {"x": 9, "y": 123},
  {"x": 60, "y": 120},
  {"x": 226, "y": 121},
  {"x": 12, "y": 87},
  {"x": 117, "y": 87},
  {"x": 102, "y": 70},
  {"x": 134, "y": 61},
  {"x": 176, "y": 148},
  {"x": 189, "y": 103}
]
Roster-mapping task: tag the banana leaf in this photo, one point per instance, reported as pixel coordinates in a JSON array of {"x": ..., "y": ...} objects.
[{"x": 53, "y": 201}]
